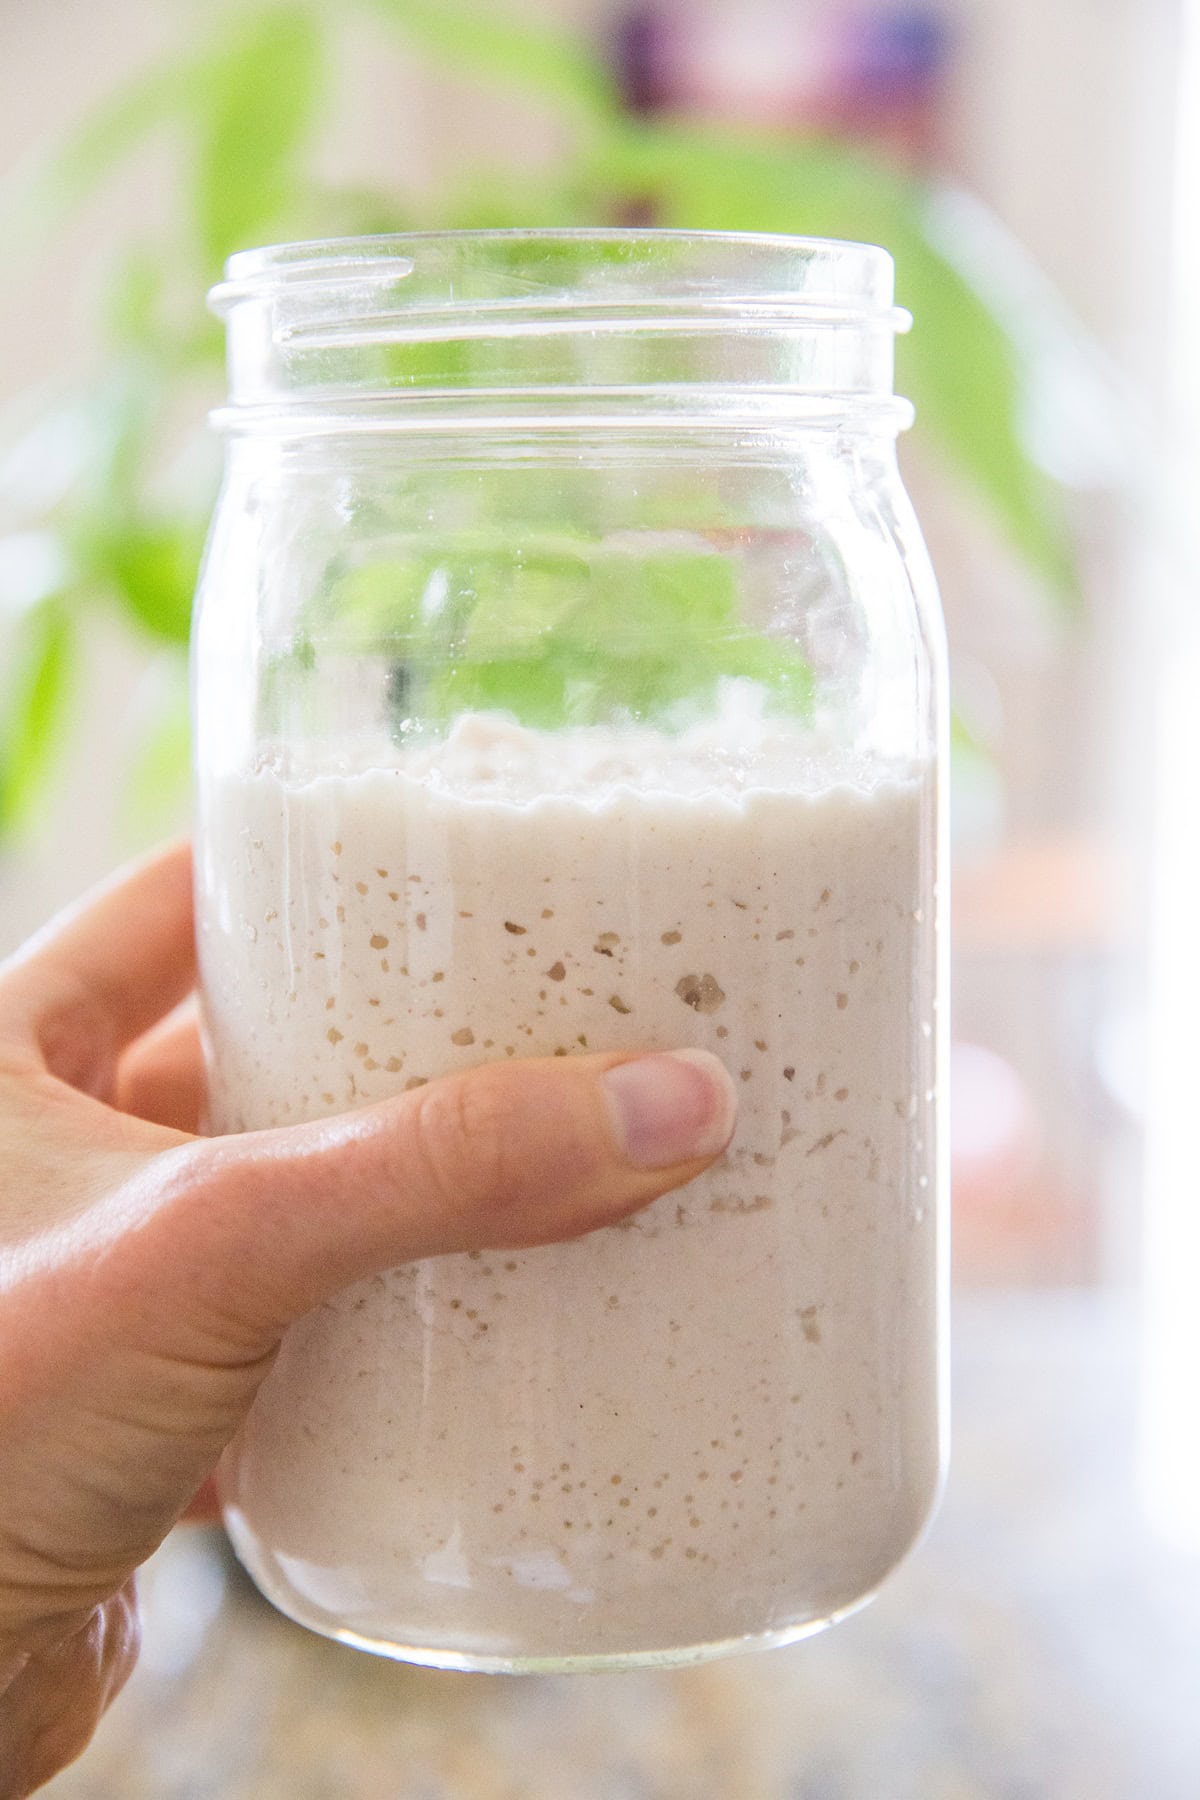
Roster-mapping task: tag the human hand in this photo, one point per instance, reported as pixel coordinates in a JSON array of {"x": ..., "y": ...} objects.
[{"x": 147, "y": 1274}]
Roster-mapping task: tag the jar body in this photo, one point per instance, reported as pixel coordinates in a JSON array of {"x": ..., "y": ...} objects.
[{"x": 569, "y": 742}]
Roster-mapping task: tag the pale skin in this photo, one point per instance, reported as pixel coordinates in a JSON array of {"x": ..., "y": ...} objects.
[{"x": 147, "y": 1272}]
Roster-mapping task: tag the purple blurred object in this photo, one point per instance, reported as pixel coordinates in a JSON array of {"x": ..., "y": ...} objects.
[
  {"x": 865, "y": 72},
  {"x": 896, "y": 52},
  {"x": 641, "y": 59}
]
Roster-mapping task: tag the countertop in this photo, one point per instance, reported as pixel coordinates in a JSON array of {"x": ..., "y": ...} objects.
[{"x": 1039, "y": 1645}]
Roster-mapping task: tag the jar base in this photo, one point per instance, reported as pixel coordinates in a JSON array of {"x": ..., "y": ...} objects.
[
  {"x": 606, "y": 1662},
  {"x": 482, "y": 1662}
]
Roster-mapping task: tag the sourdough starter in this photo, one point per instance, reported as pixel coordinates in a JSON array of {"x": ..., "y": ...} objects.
[{"x": 718, "y": 1420}]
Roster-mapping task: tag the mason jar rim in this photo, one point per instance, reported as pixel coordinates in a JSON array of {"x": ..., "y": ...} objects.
[
  {"x": 866, "y": 270},
  {"x": 720, "y": 323}
]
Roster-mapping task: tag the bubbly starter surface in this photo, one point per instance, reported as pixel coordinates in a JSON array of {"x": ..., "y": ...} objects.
[{"x": 719, "y": 1419}]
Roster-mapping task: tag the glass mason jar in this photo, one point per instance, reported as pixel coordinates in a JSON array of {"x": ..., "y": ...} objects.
[{"x": 569, "y": 677}]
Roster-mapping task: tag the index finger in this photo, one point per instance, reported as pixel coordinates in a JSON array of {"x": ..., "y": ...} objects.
[{"x": 104, "y": 971}]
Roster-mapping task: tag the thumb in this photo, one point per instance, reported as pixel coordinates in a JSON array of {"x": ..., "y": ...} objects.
[{"x": 506, "y": 1155}]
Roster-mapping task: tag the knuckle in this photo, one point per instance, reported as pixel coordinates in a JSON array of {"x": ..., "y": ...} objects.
[{"x": 465, "y": 1139}]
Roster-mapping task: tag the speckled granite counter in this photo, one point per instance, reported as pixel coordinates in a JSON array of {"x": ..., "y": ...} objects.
[{"x": 1039, "y": 1646}]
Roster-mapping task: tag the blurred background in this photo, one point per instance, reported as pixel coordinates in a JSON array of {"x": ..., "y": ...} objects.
[{"x": 1035, "y": 169}]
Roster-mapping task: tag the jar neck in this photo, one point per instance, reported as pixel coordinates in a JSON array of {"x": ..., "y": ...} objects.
[{"x": 560, "y": 330}]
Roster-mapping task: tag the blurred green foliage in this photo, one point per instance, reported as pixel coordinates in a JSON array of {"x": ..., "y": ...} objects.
[
  {"x": 558, "y": 629},
  {"x": 105, "y": 475}
]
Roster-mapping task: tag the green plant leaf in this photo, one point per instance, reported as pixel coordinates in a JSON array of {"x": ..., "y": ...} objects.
[
  {"x": 644, "y": 605},
  {"x": 534, "y": 691},
  {"x": 379, "y": 602},
  {"x": 777, "y": 665},
  {"x": 151, "y": 567},
  {"x": 964, "y": 375},
  {"x": 492, "y": 200},
  {"x": 520, "y": 608},
  {"x": 256, "y": 106},
  {"x": 355, "y": 212},
  {"x": 554, "y": 628},
  {"x": 37, "y": 702},
  {"x": 487, "y": 40},
  {"x": 159, "y": 331},
  {"x": 959, "y": 367},
  {"x": 135, "y": 299}
]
